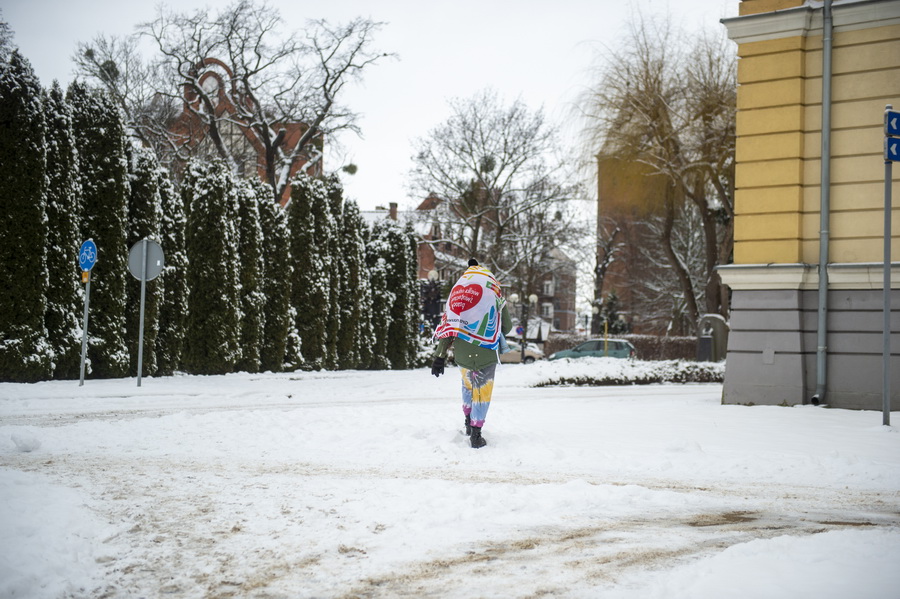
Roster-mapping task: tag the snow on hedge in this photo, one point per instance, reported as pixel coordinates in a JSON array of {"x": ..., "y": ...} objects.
[{"x": 617, "y": 371}]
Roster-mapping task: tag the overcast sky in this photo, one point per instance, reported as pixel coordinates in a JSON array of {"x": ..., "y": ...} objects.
[{"x": 540, "y": 52}]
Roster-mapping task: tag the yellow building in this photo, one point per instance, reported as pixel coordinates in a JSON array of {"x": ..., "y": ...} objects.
[{"x": 795, "y": 338}]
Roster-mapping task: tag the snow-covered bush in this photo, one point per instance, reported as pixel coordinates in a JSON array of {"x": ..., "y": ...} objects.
[
  {"x": 252, "y": 299},
  {"x": 65, "y": 296},
  {"x": 144, "y": 215},
  {"x": 100, "y": 139},
  {"x": 212, "y": 343},
  {"x": 25, "y": 354},
  {"x": 395, "y": 289},
  {"x": 356, "y": 335},
  {"x": 308, "y": 221},
  {"x": 278, "y": 322},
  {"x": 615, "y": 371},
  {"x": 172, "y": 280}
]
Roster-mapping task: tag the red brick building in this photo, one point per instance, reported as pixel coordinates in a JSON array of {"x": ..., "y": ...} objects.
[{"x": 248, "y": 151}]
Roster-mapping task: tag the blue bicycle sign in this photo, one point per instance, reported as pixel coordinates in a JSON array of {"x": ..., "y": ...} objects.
[{"x": 87, "y": 255}]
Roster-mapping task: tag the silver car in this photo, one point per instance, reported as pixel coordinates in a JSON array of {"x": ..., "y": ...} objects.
[{"x": 532, "y": 353}]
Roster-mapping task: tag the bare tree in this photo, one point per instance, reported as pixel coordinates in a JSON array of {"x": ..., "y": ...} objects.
[
  {"x": 246, "y": 87},
  {"x": 606, "y": 251},
  {"x": 117, "y": 64},
  {"x": 657, "y": 293},
  {"x": 505, "y": 194},
  {"x": 671, "y": 106}
]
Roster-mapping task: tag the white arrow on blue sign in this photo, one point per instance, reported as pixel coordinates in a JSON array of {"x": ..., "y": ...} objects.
[
  {"x": 892, "y": 149},
  {"x": 87, "y": 255},
  {"x": 892, "y": 123}
]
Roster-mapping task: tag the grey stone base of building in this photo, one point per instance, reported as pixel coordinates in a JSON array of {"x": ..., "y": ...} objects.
[{"x": 771, "y": 357}]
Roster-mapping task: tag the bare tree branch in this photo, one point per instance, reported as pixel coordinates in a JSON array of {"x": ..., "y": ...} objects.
[
  {"x": 246, "y": 90},
  {"x": 506, "y": 193},
  {"x": 669, "y": 105}
]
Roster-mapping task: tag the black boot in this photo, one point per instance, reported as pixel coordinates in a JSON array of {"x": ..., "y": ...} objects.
[
  {"x": 476, "y": 439},
  {"x": 468, "y": 426}
]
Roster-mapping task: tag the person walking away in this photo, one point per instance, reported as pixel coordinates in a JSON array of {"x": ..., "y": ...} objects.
[{"x": 475, "y": 317}]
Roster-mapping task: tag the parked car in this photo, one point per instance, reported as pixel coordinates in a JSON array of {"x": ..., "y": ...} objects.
[
  {"x": 532, "y": 353},
  {"x": 598, "y": 348}
]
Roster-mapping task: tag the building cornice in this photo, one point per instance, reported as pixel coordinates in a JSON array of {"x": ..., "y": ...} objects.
[
  {"x": 754, "y": 277},
  {"x": 806, "y": 20}
]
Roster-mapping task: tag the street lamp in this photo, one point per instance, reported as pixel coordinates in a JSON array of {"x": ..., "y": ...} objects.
[
  {"x": 523, "y": 307},
  {"x": 432, "y": 298}
]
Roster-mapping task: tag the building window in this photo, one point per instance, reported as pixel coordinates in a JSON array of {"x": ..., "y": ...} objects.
[
  {"x": 547, "y": 310},
  {"x": 548, "y": 287}
]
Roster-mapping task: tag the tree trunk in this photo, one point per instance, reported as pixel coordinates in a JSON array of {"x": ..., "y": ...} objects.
[{"x": 678, "y": 267}]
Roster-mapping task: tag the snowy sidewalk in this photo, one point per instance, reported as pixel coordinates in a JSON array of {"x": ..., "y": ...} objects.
[{"x": 361, "y": 484}]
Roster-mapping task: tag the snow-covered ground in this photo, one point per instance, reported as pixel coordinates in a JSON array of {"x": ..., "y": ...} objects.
[{"x": 360, "y": 484}]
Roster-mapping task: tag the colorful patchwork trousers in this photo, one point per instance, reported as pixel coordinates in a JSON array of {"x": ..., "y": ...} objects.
[{"x": 477, "y": 386}]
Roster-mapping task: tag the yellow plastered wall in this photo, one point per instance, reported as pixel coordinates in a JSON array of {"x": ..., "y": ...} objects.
[
  {"x": 769, "y": 151},
  {"x": 751, "y": 7},
  {"x": 778, "y": 147}
]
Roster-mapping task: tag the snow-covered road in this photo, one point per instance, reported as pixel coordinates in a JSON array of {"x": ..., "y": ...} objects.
[{"x": 360, "y": 484}]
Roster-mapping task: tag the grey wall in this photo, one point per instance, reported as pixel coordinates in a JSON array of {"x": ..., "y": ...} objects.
[{"x": 772, "y": 348}]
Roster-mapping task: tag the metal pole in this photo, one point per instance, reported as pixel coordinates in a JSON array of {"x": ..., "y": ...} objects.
[
  {"x": 524, "y": 330},
  {"x": 886, "y": 350},
  {"x": 87, "y": 303},
  {"x": 824, "y": 213},
  {"x": 143, "y": 295}
]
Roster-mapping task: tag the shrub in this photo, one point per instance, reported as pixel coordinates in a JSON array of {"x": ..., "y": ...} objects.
[
  {"x": 629, "y": 372},
  {"x": 654, "y": 347}
]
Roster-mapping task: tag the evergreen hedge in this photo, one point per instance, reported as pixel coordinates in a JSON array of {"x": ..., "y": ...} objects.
[
  {"x": 246, "y": 285},
  {"x": 144, "y": 216},
  {"x": 65, "y": 293},
  {"x": 354, "y": 346},
  {"x": 212, "y": 338},
  {"x": 278, "y": 322},
  {"x": 308, "y": 216},
  {"x": 250, "y": 249},
  {"x": 172, "y": 280},
  {"x": 100, "y": 139},
  {"x": 25, "y": 354}
]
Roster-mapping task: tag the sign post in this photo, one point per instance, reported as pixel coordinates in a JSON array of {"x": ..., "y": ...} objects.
[
  {"x": 891, "y": 154},
  {"x": 145, "y": 262},
  {"x": 87, "y": 258}
]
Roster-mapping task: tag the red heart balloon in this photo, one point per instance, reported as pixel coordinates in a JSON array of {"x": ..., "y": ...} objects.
[{"x": 464, "y": 297}]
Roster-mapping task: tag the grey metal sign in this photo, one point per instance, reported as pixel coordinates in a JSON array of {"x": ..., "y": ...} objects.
[
  {"x": 145, "y": 261},
  {"x": 145, "y": 267}
]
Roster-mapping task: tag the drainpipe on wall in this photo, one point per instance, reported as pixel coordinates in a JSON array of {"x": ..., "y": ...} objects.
[{"x": 824, "y": 209}]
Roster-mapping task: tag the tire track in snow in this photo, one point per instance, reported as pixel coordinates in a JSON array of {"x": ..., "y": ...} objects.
[
  {"x": 596, "y": 556},
  {"x": 178, "y": 533}
]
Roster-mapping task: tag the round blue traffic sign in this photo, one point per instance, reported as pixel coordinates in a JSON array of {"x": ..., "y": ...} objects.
[
  {"x": 87, "y": 255},
  {"x": 519, "y": 330}
]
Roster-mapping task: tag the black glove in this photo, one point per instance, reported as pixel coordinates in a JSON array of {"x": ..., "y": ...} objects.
[{"x": 437, "y": 367}]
